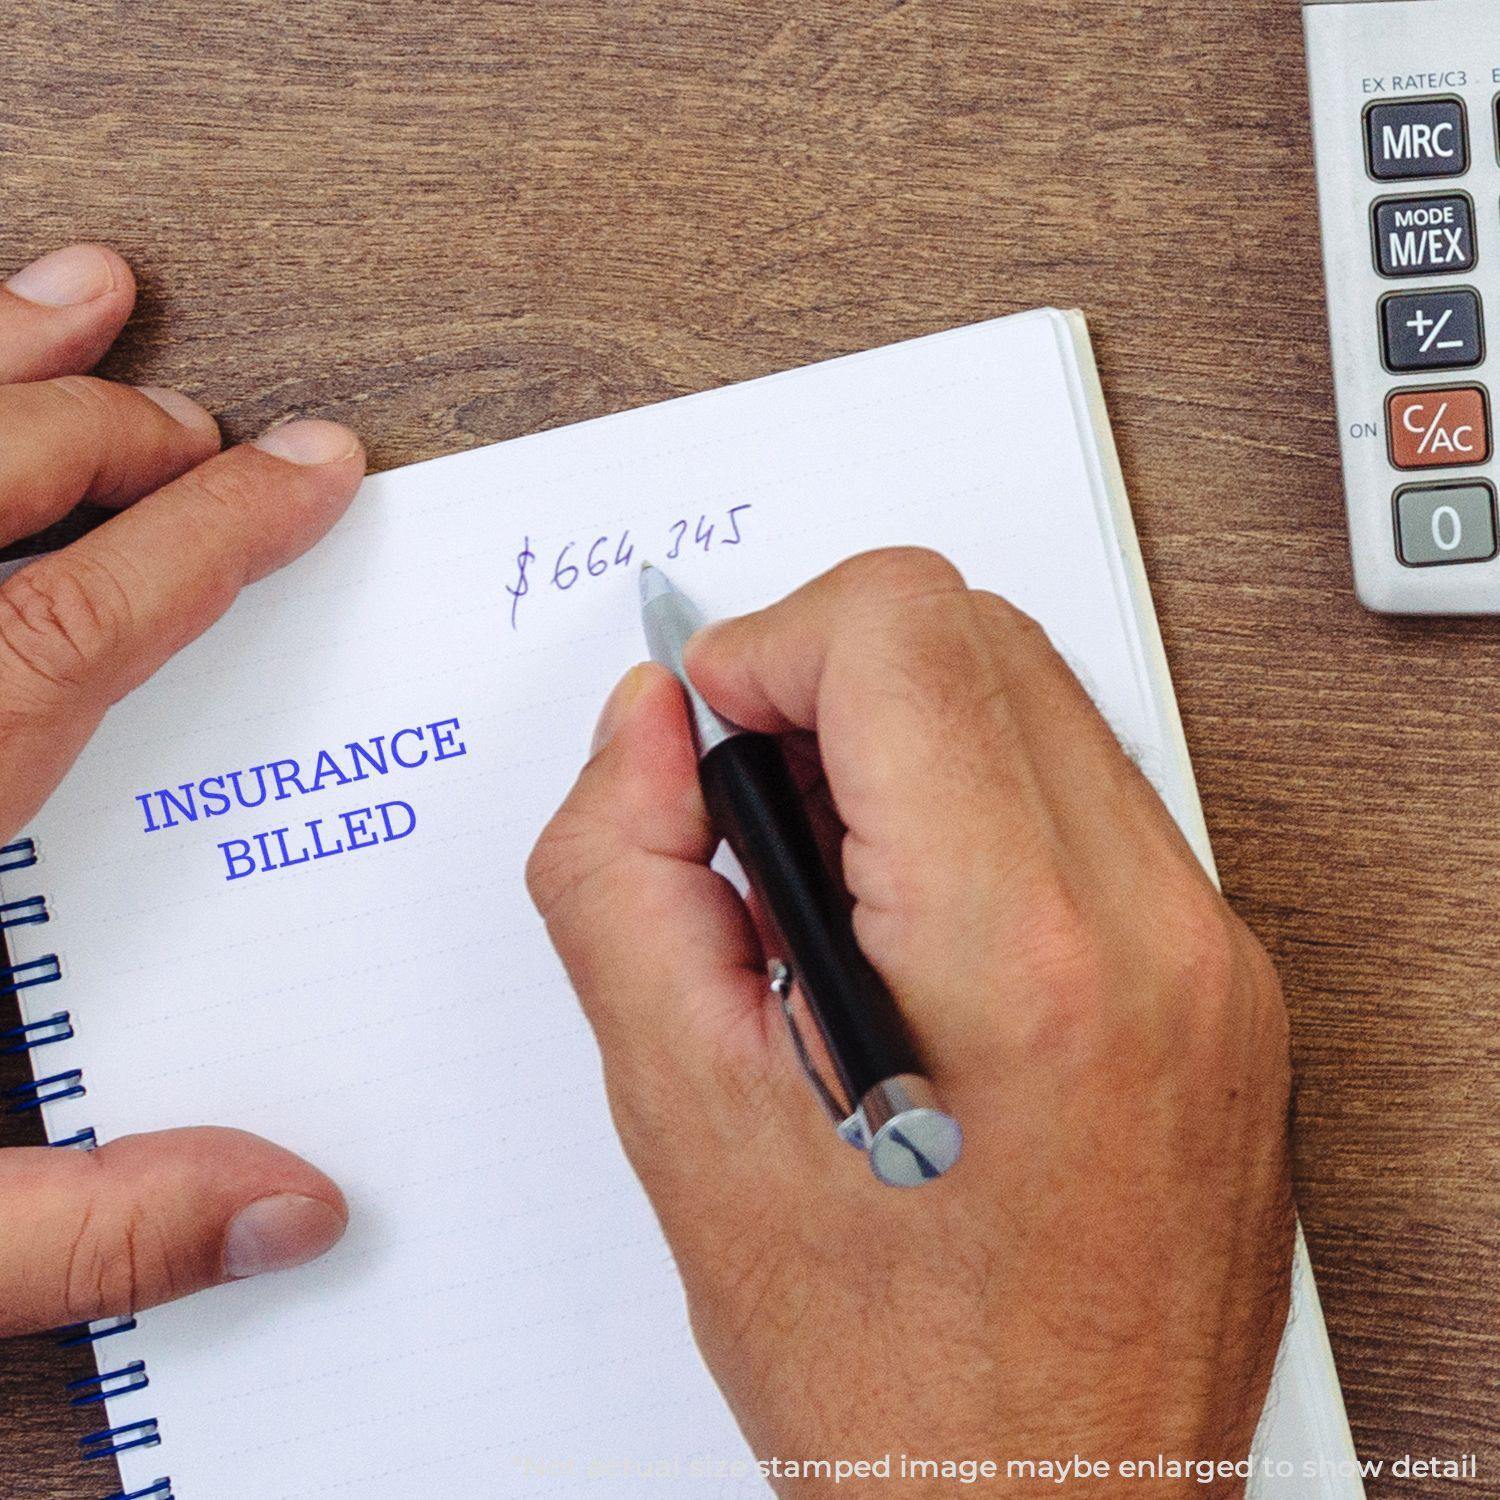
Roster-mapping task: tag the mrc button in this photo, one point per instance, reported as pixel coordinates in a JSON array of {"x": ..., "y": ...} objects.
[
  {"x": 1418, "y": 138},
  {"x": 1425, "y": 236}
]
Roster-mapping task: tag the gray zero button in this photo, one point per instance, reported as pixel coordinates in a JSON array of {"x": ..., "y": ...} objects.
[
  {"x": 1420, "y": 138},
  {"x": 1425, "y": 236},
  {"x": 1446, "y": 523}
]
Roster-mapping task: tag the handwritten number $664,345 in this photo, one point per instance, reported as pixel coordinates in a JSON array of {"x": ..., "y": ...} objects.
[{"x": 574, "y": 563}]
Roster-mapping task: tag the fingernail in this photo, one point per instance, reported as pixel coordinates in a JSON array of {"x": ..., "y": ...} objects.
[
  {"x": 308, "y": 442},
  {"x": 275, "y": 1234},
  {"x": 65, "y": 277},
  {"x": 180, "y": 408},
  {"x": 617, "y": 705}
]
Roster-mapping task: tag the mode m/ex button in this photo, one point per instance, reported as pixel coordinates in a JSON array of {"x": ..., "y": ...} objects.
[{"x": 1425, "y": 236}]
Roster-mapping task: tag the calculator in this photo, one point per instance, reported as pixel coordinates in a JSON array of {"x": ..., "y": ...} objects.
[{"x": 1406, "y": 127}]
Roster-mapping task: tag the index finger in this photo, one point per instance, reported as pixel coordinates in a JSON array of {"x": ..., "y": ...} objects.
[
  {"x": 912, "y": 681},
  {"x": 988, "y": 805},
  {"x": 894, "y": 663},
  {"x": 82, "y": 627}
]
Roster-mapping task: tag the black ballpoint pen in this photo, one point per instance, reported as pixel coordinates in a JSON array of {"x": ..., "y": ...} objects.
[{"x": 887, "y": 1108}]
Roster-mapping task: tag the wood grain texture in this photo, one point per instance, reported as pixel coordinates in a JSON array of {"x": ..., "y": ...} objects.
[{"x": 453, "y": 224}]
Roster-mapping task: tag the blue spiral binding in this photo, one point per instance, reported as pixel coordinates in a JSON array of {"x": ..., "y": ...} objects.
[
  {"x": 18, "y": 856},
  {"x": 123, "y": 1378},
  {"x": 93, "y": 1389},
  {"x": 90, "y": 1333},
  {"x": 40, "y": 1091},
  {"x": 109, "y": 1441},
  {"x": 24, "y": 913},
  {"x": 43, "y": 970},
  {"x": 34, "y": 1034}
]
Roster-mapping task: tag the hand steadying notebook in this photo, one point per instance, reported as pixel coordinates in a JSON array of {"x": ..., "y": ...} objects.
[{"x": 286, "y": 892}]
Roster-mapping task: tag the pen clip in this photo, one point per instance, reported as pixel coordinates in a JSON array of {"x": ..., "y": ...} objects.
[
  {"x": 898, "y": 1125},
  {"x": 848, "y": 1121}
]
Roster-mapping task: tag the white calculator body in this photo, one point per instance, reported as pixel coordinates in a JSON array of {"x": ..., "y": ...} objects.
[{"x": 1407, "y": 133}]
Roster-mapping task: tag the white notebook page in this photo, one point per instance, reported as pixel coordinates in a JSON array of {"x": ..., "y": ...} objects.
[{"x": 501, "y": 1319}]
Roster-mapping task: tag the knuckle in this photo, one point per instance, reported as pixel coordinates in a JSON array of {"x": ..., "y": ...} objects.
[
  {"x": 1066, "y": 963},
  {"x": 565, "y": 862},
  {"x": 899, "y": 574},
  {"x": 1198, "y": 945},
  {"x": 1268, "y": 997},
  {"x": 548, "y": 868},
  {"x": 86, "y": 396},
  {"x": 82, "y": 1295},
  {"x": 1009, "y": 620},
  {"x": 1020, "y": 641},
  {"x": 934, "y": 659},
  {"x": 227, "y": 485},
  {"x": 60, "y": 618},
  {"x": 906, "y": 605},
  {"x": 110, "y": 1263},
  {"x": 1062, "y": 945}
]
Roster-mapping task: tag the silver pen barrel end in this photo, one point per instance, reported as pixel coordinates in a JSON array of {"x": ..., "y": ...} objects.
[{"x": 910, "y": 1140}]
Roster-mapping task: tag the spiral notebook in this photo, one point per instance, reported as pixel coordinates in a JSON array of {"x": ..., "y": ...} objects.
[{"x": 282, "y": 890}]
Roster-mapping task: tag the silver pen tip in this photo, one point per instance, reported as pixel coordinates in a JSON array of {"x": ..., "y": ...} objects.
[{"x": 654, "y": 583}]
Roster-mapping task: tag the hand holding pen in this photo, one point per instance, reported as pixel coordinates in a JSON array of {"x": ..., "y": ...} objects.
[
  {"x": 1105, "y": 1269},
  {"x": 878, "y": 1100}
]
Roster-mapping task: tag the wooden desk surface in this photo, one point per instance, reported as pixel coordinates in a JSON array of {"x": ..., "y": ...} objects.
[{"x": 453, "y": 224}]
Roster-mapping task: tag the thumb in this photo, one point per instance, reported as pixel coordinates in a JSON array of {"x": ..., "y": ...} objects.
[
  {"x": 660, "y": 948},
  {"x": 150, "y": 1218}
]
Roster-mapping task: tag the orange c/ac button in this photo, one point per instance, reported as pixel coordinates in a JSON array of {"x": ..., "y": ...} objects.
[{"x": 1439, "y": 429}]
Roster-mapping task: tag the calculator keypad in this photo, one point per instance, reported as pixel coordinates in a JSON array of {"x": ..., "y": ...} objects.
[
  {"x": 1406, "y": 129},
  {"x": 1432, "y": 235}
]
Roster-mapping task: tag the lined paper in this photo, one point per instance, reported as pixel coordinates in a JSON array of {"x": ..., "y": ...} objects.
[{"x": 503, "y": 1317}]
